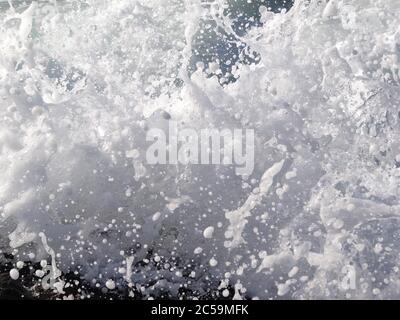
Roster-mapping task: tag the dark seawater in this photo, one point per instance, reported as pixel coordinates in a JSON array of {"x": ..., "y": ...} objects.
[{"x": 215, "y": 44}]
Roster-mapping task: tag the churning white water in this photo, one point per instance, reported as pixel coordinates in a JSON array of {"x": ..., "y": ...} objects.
[{"x": 81, "y": 82}]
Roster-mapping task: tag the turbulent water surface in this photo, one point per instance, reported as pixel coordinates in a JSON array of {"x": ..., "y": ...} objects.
[{"x": 82, "y": 81}]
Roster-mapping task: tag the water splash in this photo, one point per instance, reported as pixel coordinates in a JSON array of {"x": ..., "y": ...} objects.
[{"x": 82, "y": 81}]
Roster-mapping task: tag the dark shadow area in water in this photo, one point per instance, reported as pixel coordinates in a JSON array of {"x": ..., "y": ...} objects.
[{"x": 213, "y": 44}]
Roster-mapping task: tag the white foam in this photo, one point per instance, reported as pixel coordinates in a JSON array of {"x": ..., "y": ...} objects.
[{"x": 81, "y": 85}]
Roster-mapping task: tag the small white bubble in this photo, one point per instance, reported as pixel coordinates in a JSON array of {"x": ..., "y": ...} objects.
[
  {"x": 208, "y": 232},
  {"x": 110, "y": 284},
  {"x": 14, "y": 274}
]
